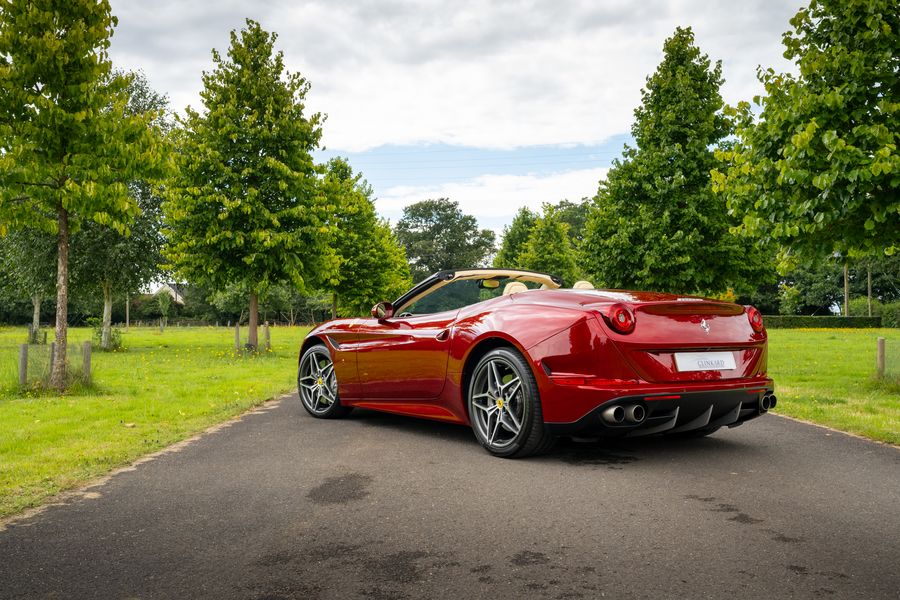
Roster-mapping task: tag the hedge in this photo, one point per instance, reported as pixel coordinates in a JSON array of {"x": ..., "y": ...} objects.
[{"x": 807, "y": 322}]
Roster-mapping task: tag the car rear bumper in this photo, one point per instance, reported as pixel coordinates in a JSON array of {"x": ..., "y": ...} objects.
[{"x": 676, "y": 409}]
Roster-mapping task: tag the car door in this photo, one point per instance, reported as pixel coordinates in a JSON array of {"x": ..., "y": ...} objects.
[{"x": 403, "y": 357}]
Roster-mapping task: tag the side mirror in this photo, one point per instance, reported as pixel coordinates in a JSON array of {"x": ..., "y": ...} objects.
[{"x": 383, "y": 310}]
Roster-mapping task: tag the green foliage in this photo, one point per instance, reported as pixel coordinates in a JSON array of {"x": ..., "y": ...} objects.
[
  {"x": 548, "y": 249},
  {"x": 789, "y": 299},
  {"x": 812, "y": 322},
  {"x": 655, "y": 222},
  {"x": 114, "y": 340},
  {"x": 102, "y": 256},
  {"x": 437, "y": 236},
  {"x": 28, "y": 257},
  {"x": 370, "y": 265},
  {"x": 859, "y": 307},
  {"x": 164, "y": 301},
  {"x": 574, "y": 214},
  {"x": 515, "y": 235},
  {"x": 890, "y": 315},
  {"x": 68, "y": 143},
  {"x": 818, "y": 170},
  {"x": 244, "y": 207}
]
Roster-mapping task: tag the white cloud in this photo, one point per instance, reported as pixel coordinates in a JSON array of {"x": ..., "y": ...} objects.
[
  {"x": 490, "y": 75},
  {"x": 496, "y": 198}
]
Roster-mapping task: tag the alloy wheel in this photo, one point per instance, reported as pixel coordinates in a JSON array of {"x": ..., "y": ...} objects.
[
  {"x": 498, "y": 402},
  {"x": 317, "y": 382}
]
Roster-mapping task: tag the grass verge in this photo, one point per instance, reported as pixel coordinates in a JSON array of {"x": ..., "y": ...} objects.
[
  {"x": 163, "y": 388},
  {"x": 827, "y": 376}
]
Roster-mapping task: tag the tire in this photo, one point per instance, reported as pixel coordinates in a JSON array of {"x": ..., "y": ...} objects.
[
  {"x": 508, "y": 424},
  {"x": 317, "y": 384}
]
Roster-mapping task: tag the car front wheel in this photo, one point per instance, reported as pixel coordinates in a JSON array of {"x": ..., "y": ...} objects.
[
  {"x": 505, "y": 407},
  {"x": 317, "y": 384}
]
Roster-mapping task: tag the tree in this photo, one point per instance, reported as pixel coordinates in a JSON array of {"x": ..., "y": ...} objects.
[
  {"x": 105, "y": 258},
  {"x": 515, "y": 236},
  {"x": 818, "y": 170},
  {"x": 574, "y": 214},
  {"x": 548, "y": 249},
  {"x": 164, "y": 301},
  {"x": 68, "y": 146},
  {"x": 437, "y": 235},
  {"x": 370, "y": 264},
  {"x": 29, "y": 257},
  {"x": 655, "y": 222},
  {"x": 244, "y": 208}
]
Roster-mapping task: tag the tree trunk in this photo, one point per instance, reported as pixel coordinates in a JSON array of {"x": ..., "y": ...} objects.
[
  {"x": 106, "y": 328},
  {"x": 58, "y": 370},
  {"x": 846, "y": 290},
  {"x": 253, "y": 320},
  {"x": 35, "y": 318},
  {"x": 869, "y": 287},
  {"x": 334, "y": 305},
  {"x": 127, "y": 311}
]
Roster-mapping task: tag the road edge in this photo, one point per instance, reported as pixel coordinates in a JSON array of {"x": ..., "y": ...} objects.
[{"x": 83, "y": 492}]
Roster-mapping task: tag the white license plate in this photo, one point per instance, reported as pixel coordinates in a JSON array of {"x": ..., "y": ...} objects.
[{"x": 704, "y": 361}]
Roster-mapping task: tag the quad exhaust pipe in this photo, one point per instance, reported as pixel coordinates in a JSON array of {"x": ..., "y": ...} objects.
[
  {"x": 633, "y": 414},
  {"x": 767, "y": 402}
]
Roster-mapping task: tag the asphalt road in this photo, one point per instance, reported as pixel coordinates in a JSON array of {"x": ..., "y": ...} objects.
[{"x": 279, "y": 505}]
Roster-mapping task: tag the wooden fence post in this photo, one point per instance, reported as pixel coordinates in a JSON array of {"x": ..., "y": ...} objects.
[
  {"x": 267, "y": 335},
  {"x": 879, "y": 358},
  {"x": 237, "y": 336},
  {"x": 23, "y": 365},
  {"x": 86, "y": 361},
  {"x": 45, "y": 338},
  {"x": 52, "y": 354}
]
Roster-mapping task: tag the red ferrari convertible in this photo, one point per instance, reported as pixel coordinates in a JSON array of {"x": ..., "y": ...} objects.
[{"x": 523, "y": 361}]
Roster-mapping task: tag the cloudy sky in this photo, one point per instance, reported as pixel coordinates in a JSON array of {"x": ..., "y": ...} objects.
[{"x": 493, "y": 104}]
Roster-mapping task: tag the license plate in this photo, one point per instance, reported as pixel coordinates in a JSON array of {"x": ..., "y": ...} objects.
[{"x": 704, "y": 361}]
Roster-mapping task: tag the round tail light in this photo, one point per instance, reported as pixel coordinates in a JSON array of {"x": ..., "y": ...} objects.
[
  {"x": 756, "y": 320},
  {"x": 620, "y": 318}
]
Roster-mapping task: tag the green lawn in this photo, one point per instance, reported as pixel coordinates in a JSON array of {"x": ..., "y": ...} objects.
[
  {"x": 167, "y": 386},
  {"x": 827, "y": 376},
  {"x": 163, "y": 388}
]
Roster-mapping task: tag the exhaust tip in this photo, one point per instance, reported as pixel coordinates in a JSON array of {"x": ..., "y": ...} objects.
[
  {"x": 614, "y": 414},
  {"x": 765, "y": 403},
  {"x": 773, "y": 400},
  {"x": 635, "y": 413}
]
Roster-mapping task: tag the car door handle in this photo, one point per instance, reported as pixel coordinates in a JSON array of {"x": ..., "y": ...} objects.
[{"x": 443, "y": 335}]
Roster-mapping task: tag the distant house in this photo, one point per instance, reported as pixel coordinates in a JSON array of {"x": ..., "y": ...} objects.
[{"x": 175, "y": 290}]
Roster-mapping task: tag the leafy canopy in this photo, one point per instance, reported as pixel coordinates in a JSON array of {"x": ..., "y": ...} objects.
[
  {"x": 370, "y": 264},
  {"x": 244, "y": 208},
  {"x": 819, "y": 169},
  {"x": 548, "y": 249},
  {"x": 103, "y": 257},
  {"x": 437, "y": 235},
  {"x": 67, "y": 140},
  {"x": 515, "y": 236},
  {"x": 655, "y": 223}
]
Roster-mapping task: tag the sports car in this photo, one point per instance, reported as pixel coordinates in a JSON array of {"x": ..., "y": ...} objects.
[{"x": 523, "y": 361}]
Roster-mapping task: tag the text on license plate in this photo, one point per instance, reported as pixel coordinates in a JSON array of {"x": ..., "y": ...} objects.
[{"x": 704, "y": 361}]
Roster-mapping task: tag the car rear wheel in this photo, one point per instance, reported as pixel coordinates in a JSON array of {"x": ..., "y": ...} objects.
[
  {"x": 318, "y": 386},
  {"x": 505, "y": 407}
]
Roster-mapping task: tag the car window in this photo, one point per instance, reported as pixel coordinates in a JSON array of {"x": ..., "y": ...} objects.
[{"x": 458, "y": 294}]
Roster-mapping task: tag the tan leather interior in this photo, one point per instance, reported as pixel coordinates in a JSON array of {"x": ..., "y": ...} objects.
[
  {"x": 583, "y": 285},
  {"x": 514, "y": 287}
]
